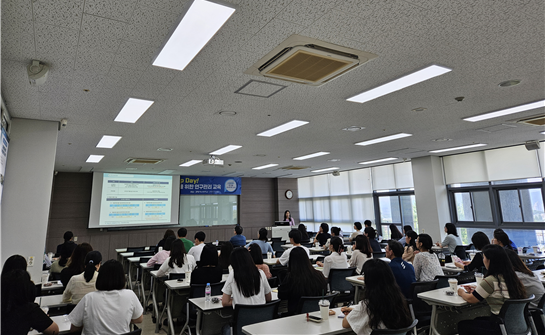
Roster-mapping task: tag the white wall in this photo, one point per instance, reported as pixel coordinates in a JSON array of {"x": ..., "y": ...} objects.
[
  {"x": 27, "y": 190},
  {"x": 431, "y": 196}
]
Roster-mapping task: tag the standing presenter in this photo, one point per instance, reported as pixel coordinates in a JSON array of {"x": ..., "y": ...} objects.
[{"x": 288, "y": 218}]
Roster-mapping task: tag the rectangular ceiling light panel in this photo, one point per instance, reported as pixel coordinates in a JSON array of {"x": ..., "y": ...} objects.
[
  {"x": 282, "y": 128},
  {"x": 196, "y": 28},
  {"x": 326, "y": 169},
  {"x": 379, "y": 160},
  {"x": 384, "y": 139},
  {"x": 401, "y": 83},
  {"x": 108, "y": 141},
  {"x": 508, "y": 111},
  {"x": 264, "y": 166},
  {"x": 94, "y": 158},
  {"x": 133, "y": 110},
  {"x": 458, "y": 148},
  {"x": 191, "y": 162},
  {"x": 316, "y": 154},
  {"x": 226, "y": 149}
]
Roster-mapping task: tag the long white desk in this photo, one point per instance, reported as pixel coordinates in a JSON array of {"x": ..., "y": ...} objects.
[
  {"x": 357, "y": 283},
  {"x": 298, "y": 324},
  {"x": 131, "y": 261}
]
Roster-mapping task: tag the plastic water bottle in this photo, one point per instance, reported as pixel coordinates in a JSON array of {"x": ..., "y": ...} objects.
[{"x": 207, "y": 293}]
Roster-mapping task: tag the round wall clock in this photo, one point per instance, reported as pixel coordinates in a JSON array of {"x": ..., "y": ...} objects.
[{"x": 289, "y": 194}]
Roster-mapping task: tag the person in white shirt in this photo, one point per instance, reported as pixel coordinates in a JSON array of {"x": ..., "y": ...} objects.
[
  {"x": 196, "y": 250},
  {"x": 335, "y": 232},
  {"x": 383, "y": 305},
  {"x": 295, "y": 240},
  {"x": 246, "y": 284},
  {"x": 163, "y": 255},
  {"x": 111, "y": 309},
  {"x": 426, "y": 264},
  {"x": 179, "y": 261},
  {"x": 361, "y": 254},
  {"x": 337, "y": 259},
  {"x": 357, "y": 226},
  {"x": 81, "y": 284}
]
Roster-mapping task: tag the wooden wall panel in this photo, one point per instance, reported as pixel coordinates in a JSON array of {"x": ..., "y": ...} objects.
[{"x": 282, "y": 185}]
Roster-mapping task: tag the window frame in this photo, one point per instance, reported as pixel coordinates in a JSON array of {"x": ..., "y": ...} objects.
[
  {"x": 376, "y": 204},
  {"x": 495, "y": 206}
]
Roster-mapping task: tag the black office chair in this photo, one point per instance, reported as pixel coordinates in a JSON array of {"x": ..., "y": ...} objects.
[
  {"x": 308, "y": 245},
  {"x": 245, "y": 315},
  {"x": 514, "y": 317},
  {"x": 400, "y": 331},
  {"x": 61, "y": 310},
  {"x": 276, "y": 245},
  {"x": 198, "y": 291},
  {"x": 273, "y": 281},
  {"x": 310, "y": 304},
  {"x": 278, "y": 254},
  {"x": 134, "y": 249},
  {"x": 460, "y": 251},
  {"x": 419, "y": 309},
  {"x": 277, "y": 239},
  {"x": 337, "y": 283},
  {"x": 378, "y": 254},
  {"x": 538, "y": 315},
  {"x": 142, "y": 253},
  {"x": 173, "y": 275},
  {"x": 442, "y": 281},
  {"x": 136, "y": 331},
  {"x": 280, "y": 272}
]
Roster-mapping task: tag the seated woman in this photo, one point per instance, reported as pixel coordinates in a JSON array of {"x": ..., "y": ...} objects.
[
  {"x": 357, "y": 227},
  {"x": 361, "y": 254},
  {"x": 76, "y": 263},
  {"x": 14, "y": 262},
  {"x": 304, "y": 234},
  {"x": 58, "y": 265},
  {"x": 502, "y": 239},
  {"x": 163, "y": 255},
  {"x": 323, "y": 234},
  {"x": 262, "y": 242},
  {"x": 479, "y": 240},
  {"x": 246, "y": 284},
  {"x": 224, "y": 261},
  {"x": 19, "y": 311},
  {"x": 410, "y": 246},
  {"x": 530, "y": 281},
  {"x": 207, "y": 270},
  {"x": 80, "y": 285},
  {"x": 337, "y": 259},
  {"x": 302, "y": 280},
  {"x": 111, "y": 309},
  {"x": 168, "y": 233},
  {"x": 452, "y": 240},
  {"x": 383, "y": 305},
  {"x": 257, "y": 256},
  {"x": 395, "y": 234},
  {"x": 500, "y": 284},
  {"x": 426, "y": 264},
  {"x": 178, "y": 262}
]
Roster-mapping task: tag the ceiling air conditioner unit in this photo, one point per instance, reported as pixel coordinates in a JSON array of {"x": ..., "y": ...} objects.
[{"x": 308, "y": 61}]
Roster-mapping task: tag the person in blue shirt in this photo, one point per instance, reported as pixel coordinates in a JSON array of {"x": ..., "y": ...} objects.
[
  {"x": 371, "y": 235},
  {"x": 403, "y": 271},
  {"x": 262, "y": 242},
  {"x": 238, "y": 240}
]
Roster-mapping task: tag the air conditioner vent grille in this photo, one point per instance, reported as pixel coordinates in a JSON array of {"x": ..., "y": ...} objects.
[
  {"x": 143, "y": 161},
  {"x": 538, "y": 120}
]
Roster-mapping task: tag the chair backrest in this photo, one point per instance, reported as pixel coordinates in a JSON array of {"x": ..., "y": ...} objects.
[
  {"x": 273, "y": 281},
  {"x": 143, "y": 253},
  {"x": 470, "y": 246},
  {"x": 460, "y": 251},
  {"x": 278, "y": 254},
  {"x": 156, "y": 266},
  {"x": 308, "y": 245},
  {"x": 443, "y": 280},
  {"x": 541, "y": 302},
  {"x": 400, "y": 331},
  {"x": 249, "y": 314},
  {"x": 513, "y": 316},
  {"x": 197, "y": 290},
  {"x": 419, "y": 306},
  {"x": 337, "y": 279},
  {"x": 174, "y": 275},
  {"x": 278, "y": 239},
  {"x": 276, "y": 245},
  {"x": 379, "y": 254},
  {"x": 280, "y": 272},
  {"x": 310, "y": 304},
  {"x": 144, "y": 259},
  {"x": 133, "y": 249}
]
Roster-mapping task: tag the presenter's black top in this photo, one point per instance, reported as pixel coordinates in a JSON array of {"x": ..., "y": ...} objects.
[
  {"x": 22, "y": 318},
  {"x": 323, "y": 237},
  {"x": 67, "y": 248}
]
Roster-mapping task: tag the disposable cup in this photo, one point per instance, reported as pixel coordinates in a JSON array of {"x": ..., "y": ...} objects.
[
  {"x": 188, "y": 276},
  {"x": 453, "y": 284},
  {"x": 519, "y": 250},
  {"x": 269, "y": 255},
  {"x": 479, "y": 278},
  {"x": 536, "y": 249},
  {"x": 45, "y": 277},
  {"x": 324, "y": 309}
]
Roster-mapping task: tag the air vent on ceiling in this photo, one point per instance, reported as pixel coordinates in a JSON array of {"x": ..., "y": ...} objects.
[
  {"x": 308, "y": 61},
  {"x": 143, "y": 161},
  {"x": 291, "y": 167},
  {"x": 538, "y": 120}
]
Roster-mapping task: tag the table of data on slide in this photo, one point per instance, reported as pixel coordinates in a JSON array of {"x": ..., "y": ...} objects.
[{"x": 135, "y": 199}]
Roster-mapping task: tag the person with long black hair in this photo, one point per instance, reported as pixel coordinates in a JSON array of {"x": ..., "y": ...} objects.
[
  {"x": 207, "y": 270},
  {"x": 246, "y": 284},
  {"x": 383, "y": 305},
  {"x": 362, "y": 253},
  {"x": 262, "y": 242},
  {"x": 410, "y": 246},
  {"x": 224, "y": 261},
  {"x": 452, "y": 240},
  {"x": 304, "y": 234},
  {"x": 168, "y": 233},
  {"x": 395, "y": 234},
  {"x": 500, "y": 284},
  {"x": 178, "y": 262},
  {"x": 14, "y": 262},
  {"x": 426, "y": 264},
  {"x": 288, "y": 218},
  {"x": 479, "y": 240},
  {"x": 109, "y": 310},
  {"x": 531, "y": 282},
  {"x": 337, "y": 259},
  {"x": 502, "y": 239},
  {"x": 76, "y": 263},
  {"x": 19, "y": 311},
  {"x": 257, "y": 256},
  {"x": 302, "y": 280},
  {"x": 80, "y": 285}
]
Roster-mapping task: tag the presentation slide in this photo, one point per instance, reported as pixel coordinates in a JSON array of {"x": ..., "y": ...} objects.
[{"x": 129, "y": 200}]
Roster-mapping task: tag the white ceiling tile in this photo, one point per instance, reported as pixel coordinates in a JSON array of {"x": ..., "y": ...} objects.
[
  {"x": 134, "y": 55},
  {"x": 305, "y": 12},
  {"x": 173, "y": 6},
  {"x": 120, "y": 10},
  {"x": 271, "y": 35},
  {"x": 150, "y": 26},
  {"x": 158, "y": 75},
  {"x": 63, "y": 13},
  {"x": 122, "y": 77},
  {"x": 147, "y": 90},
  {"x": 93, "y": 60}
]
